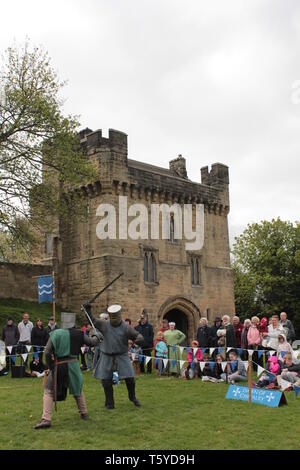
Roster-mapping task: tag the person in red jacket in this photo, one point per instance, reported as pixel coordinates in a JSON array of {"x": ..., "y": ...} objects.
[
  {"x": 263, "y": 325},
  {"x": 165, "y": 325},
  {"x": 238, "y": 329},
  {"x": 194, "y": 357}
]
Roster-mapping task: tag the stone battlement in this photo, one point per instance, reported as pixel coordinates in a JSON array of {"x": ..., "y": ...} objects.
[
  {"x": 92, "y": 141},
  {"x": 111, "y": 155}
]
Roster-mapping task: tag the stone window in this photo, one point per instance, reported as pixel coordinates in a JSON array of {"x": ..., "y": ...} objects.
[
  {"x": 146, "y": 271},
  {"x": 208, "y": 314},
  {"x": 197, "y": 273},
  {"x": 172, "y": 229},
  {"x": 192, "y": 271},
  {"x": 195, "y": 268},
  {"x": 149, "y": 267},
  {"x": 152, "y": 268},
  {"x": 49, "y": 237}
]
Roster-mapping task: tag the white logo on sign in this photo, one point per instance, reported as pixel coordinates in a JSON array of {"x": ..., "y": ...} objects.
[{"x": 270, "y": 397}]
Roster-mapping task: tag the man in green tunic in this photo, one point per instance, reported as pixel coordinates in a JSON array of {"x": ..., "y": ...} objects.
[
  {"x": 61, "y": 353},
  {"x": 173, "y": 338}
]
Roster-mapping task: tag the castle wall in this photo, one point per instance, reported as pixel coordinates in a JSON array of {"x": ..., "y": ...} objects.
[
  {"x": 86, "y": 263},
  {"x": 18, "y": 280}
]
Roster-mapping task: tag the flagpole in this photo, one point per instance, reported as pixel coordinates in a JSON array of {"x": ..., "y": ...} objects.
[
  {"x": 53, "y": 295},
  {"x": 249, "y": 376},
  {"x": 264, "y": 359}
]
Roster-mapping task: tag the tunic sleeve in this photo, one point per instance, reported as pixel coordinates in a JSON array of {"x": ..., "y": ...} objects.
[
  {"x": 134, "y": 336},
  {"x": 49, "y": 350},
  {"x": 90, "y": 340}
]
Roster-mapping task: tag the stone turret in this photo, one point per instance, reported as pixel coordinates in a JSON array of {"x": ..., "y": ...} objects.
[
  {"x": 218, "y": 174},
  {"x": 178, "y": 166}
]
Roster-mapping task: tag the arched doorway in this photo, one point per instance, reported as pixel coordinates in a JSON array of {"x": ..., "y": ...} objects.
[
  {"x": 184, "y": 313},
  {"x": 179, "y": 318}
]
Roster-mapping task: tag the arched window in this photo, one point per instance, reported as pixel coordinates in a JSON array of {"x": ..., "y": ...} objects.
[
  {"x": 192, "y": 271},
  {"x": 195, "y": 271},
  {"x": 152, "y": 268},
  {"x": 146, "y": 277},
  {"x": 197, "y": 280},
  {"x": 172, "y": 229}
]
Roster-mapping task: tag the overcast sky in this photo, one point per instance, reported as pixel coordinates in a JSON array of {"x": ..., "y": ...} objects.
[{"x": 214, "y": 81}]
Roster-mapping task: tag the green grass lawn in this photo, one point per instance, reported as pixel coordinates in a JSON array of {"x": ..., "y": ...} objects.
[
  {"x": 17, "y": 307},
  {"x": 175, "y": 414}
]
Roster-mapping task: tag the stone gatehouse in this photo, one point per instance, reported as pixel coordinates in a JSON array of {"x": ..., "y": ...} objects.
[{"x": 160, "y": 276}]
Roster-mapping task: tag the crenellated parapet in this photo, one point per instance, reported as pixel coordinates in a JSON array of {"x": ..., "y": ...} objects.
[{"x": 120, "y": 176}]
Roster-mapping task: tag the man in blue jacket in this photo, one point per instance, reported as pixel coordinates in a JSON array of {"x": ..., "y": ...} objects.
[{"x": 146, "y": 330}]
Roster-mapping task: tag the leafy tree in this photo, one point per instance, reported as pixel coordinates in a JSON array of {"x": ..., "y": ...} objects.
[
  {"x": 267, "y": 269},
  {"x": 39, "y": 152}
]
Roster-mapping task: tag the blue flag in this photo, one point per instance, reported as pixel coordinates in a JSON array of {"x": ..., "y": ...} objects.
[
  {"x": 187, "y": 350},
  {"x": 45, "y": 288},
  {"x": 260, "y": 353},
  {"x": 212, "y": 366},
  {"x": 203, "y": 350},
  {"x": 174, "y": 347},
  {"x": 173, "y": 362},
  {"x": 220, "y": 350},
  {"x": 240, "y": 351},
  {"x": 283, "y": 353}
]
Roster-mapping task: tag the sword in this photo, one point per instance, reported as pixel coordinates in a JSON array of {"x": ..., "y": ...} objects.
[
  {"x": 83, "y": 307},
  {"x": 88, "y": 316}
]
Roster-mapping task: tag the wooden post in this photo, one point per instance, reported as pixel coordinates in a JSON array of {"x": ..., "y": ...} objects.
[
  {"x": 264, "y": 360},
  {"x": 53, "y": 295},
  {"x": 249, "y": 376}
]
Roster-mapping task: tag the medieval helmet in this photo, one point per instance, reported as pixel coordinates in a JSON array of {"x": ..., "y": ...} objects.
[
  {"x": 67, "y": 320},
  {"x": 115, "y": 314}
]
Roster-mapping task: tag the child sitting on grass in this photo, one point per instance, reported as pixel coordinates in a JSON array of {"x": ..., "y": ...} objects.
[
  {"x": 290, "y": 369},
  {"x": 214, "y": 370},
  {"x": 270, "y": 379},
  {"x": 218, "y": 371},
  {"x": 235, "y": 369},
  {"x": 207, "y": 371}
]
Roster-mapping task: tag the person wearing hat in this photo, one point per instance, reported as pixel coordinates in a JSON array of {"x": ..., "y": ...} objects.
[
  {"x": 10, "y": 336},
  {"x": 114, "y": 353},
  {"x": 61, "y": 352},
  {"x": 52, "y": 325},
  {"x": 216, "y": 326}
]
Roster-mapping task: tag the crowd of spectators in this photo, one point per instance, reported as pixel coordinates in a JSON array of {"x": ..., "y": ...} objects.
[{"x": 234, "y": 338}]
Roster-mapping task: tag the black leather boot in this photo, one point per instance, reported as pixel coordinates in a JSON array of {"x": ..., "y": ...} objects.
[
  {"x": 130, "y": 384},
  {"x": 109, "y": 394}
]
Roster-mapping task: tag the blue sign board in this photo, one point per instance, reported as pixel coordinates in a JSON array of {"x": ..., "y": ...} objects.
[{"x": 272, "y": 398}]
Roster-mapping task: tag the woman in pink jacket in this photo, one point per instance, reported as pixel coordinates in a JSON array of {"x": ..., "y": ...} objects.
[{"x": 254, "y": 336}]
